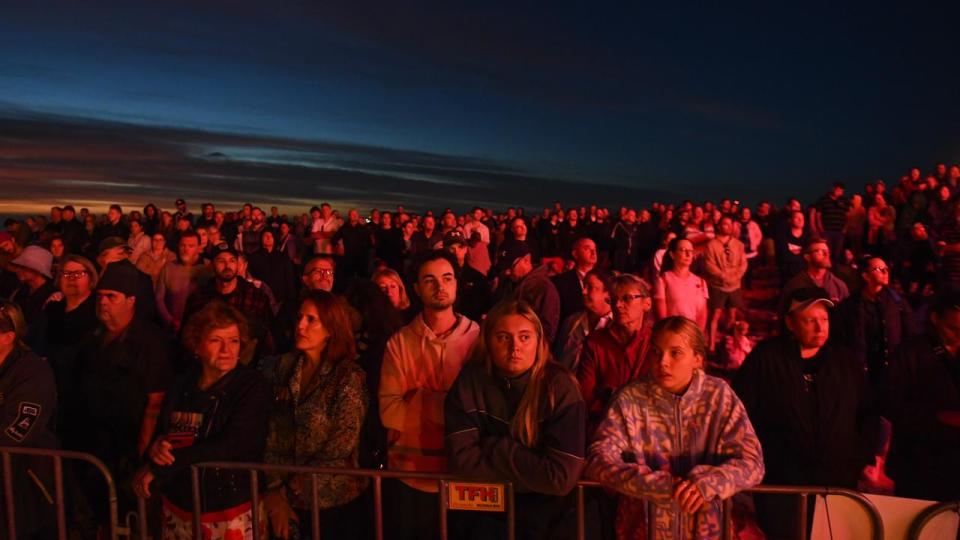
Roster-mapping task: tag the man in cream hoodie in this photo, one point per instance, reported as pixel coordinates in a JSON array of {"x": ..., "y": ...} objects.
[{"x": 420, "y": 363}]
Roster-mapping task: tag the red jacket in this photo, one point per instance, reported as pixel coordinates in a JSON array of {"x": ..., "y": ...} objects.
[{"x": 606, "y": 366}]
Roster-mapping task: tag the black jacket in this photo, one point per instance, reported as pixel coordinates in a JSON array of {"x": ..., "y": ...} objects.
[
  {"x": 232, "y": 427},
  {"x": 826, "y": 445},
  {"x": 473, "y": 293},
  {"x": 898, "y": 325},
  {"x": 478, "y": 411},
  {"x": 924, "y": 380},
  {"x": 28, "y": 402},
  {"x": 570, "y": 291}
]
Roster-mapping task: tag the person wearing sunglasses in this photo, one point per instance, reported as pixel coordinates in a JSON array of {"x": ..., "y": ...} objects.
[
  {"x": 876, "y": 319},
  {"x": 614, "y": 356}
]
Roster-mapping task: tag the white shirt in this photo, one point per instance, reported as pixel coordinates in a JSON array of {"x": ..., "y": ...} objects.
[
  {"x": 324, "y": 245},
  {"x": 477, "y": 226}
]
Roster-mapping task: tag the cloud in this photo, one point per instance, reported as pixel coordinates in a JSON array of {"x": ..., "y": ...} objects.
[{"x": 49, "y": 159}]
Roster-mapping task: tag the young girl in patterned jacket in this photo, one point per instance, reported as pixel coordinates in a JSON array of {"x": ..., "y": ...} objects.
[{"x": 679, "y": 439}]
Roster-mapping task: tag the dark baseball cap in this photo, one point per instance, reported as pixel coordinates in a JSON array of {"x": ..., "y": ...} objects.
[
  {"x": 224, "y": 247},
  {"x": 454, "y": 236},
  {"x": 510, "y": 254},
  {"x": 112, "y": 242}
]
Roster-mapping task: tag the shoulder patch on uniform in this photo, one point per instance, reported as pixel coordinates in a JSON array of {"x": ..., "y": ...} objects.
[{"x": 27, "y": 414}]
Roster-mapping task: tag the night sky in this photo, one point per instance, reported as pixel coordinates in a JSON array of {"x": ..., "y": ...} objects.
[{"x": 491, "y": 103}]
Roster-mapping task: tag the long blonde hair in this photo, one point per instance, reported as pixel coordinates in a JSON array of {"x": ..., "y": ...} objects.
[{"x": 525, "y": 425}]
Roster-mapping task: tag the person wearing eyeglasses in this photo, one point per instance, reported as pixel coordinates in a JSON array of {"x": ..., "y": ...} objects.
[
  {"x": 615, "y": 355},
  {"x": 319, "y": 273},
  {"x": 70, "y": 315},
  {"x": 876, "y": 319},
  {"x": 677, "y": 291}
]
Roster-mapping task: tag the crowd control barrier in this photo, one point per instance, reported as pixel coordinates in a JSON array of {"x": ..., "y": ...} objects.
[
  {"x": 474, "y": 487},
  {"x": 921, "y": 521},
  {"x": 444, "y": 481},
  {"x": 58, "y": 457}
]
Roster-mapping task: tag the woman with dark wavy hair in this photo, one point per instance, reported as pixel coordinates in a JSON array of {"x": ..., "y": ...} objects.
[{"x": 320, "y": 400}]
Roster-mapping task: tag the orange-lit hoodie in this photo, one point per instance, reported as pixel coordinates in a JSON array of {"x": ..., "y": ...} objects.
[{"x": 419, "y": 368}]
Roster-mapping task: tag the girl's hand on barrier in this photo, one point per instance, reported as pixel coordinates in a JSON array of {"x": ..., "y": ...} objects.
[{"x": 687, "y": 495}]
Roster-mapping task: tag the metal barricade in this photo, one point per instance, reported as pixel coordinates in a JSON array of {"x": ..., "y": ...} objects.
[
  {"x": 802, "y": 492},
  {"x": 921, "y": 521},
  {"x": 377, "y": 476},
  {"x": 57, "y": 456},
  {"x": 443, "y": 481}
]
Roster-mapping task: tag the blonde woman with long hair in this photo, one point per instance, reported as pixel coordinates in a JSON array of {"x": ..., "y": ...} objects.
[
  {"x": 513, "y": 415},
  {"x": 678, "y": 439}
]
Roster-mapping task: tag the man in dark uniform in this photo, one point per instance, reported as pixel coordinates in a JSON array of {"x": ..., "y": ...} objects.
[{"x": 28, "y": 400}]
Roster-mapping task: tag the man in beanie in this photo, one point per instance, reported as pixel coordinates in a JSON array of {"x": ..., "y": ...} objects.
[
  {"x": 532, "y": 285},
  {"x": 111, "y": 405},
  {"x": 32, "y": 268}
]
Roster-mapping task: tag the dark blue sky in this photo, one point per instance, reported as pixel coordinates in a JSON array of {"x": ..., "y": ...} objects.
[{"x": 456, "y": 103}]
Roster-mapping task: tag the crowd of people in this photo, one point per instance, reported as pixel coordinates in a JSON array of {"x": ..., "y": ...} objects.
[{"x": 531, "y": 349}]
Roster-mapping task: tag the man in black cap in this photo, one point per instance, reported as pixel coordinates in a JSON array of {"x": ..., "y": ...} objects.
[
  {"x": 182, "y": 212},
  {"x": 473, "y": 294},
  {"x": 532, "y": 285},
  {"x": 229, "y": 287},
  {"x": 111, "y": 404},
  {"x": 807, "y": 398}
]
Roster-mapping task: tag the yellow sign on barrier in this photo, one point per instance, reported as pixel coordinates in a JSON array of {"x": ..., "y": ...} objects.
[{"x": 476, "y": 497}]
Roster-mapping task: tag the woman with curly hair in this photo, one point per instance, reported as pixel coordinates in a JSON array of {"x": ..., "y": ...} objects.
[{"x": 216, "y": 412}]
